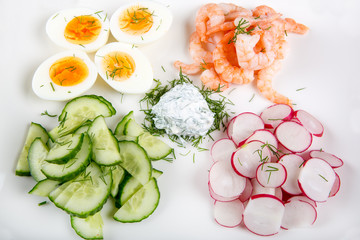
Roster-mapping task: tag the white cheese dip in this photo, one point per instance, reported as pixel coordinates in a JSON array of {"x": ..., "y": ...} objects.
[{"x": 183, "y": 111}]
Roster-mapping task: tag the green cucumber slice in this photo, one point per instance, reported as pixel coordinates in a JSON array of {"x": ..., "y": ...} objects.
[
  {"x": 86, "y": 194},
  {"x": 135, "y": 161},
  {"x": 105, "y": 150},
  {"x": 119, "y": 130},
  {"x": 44, "y": 187},
  {"x": 37, "y": 154},
  {"x": 154, "y": 147},
  {"x": 118, "y": 174},
  {"x": 69, "y": 170},
  {"x": 90, "y": 227},
  {"x": 141, "y": 205},
  {"x": 132, "y": 128},
  {"x": 65, "y": 148},
  {"x": 78, "y": 111},
  {"x": 35, "y": 131}
]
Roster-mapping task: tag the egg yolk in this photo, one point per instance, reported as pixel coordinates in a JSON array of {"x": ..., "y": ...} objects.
[
  {"x": 119, "y": 66},
  {"x": 82, "y": 29},
  {"x": 136, "y": 20},
  {"x": 68, "y": 71}
]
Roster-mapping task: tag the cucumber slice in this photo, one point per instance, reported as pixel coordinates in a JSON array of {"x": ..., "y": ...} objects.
[
  {"x": 83, "y": 128},
  {"x": 105, "y": 150},
  {"x": 119, "y": 130},
  {"x": 141, "y": 205},
  {"x": 118, "y": 174},
  {"x": 129, "y": 186},
  {"x": 132, "y": 128},
  {"x": 78, "y": 111},
  {"x": 86, "y": 194},
  {"x": 69, "y": 170},
  {"x": 154, "y": 147},
  {"x": 44, "y": 187},
  {"x": 37, "y": 154},
  {"x": 35, "y": 131},
  {"x": 65, "y": 148},
  {"x": 90, "y": 227},
  {"x": 135, "y": 161}
]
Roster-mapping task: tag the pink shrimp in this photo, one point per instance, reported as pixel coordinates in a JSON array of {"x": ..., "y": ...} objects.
[
  {"x": 292, "y": 26},
  {"x": 210, "y": 12},
  {"x": 264, "y": 83},
  {"x": 193, "y": 68},
  {"x": 223, "y": 67},
  {"x": 212, "y": 80},
  {"x": 197, "y": 50}
]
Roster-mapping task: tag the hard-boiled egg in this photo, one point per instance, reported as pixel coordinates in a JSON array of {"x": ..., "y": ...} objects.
[
  {"x": 79, "y": 29},
  {"x": 64, "y": 76},
  {"x": 124, "y": 67},
  {"x": 140, "y": 23}
]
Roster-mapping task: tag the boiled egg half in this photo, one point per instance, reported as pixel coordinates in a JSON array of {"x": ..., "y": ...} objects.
[
  {"x": 64, "y": 76},
  {"x": 141, "y": 22},
  {"x": 124, "y": 67},
  {"x": 79, "y": 28}
]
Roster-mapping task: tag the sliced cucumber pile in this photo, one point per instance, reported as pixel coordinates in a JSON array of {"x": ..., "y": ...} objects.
[{"x": 83, "y": 163}]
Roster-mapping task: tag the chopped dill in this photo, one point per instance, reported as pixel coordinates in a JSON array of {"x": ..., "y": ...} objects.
[
  {"x": 217, "y": 106},
  {"x": 241, "y": 28},
  {"x": 252, "y": 97},
  {"x": 42, "y": 203},
  {"x": 300, "y": 89},
  {"x": 46, "y": 113},
  {"x": 323, "y": 177}
]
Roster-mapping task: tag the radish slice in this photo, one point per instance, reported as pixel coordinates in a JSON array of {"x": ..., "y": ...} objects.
[
  {"x": 228, "y": 214},
  {"x": 247, "y": 158},
  {"x": 333, "y": 160},
  {"x": 278, "y": 193},
  {"x": 336, "y": 187},
  {"x": 264, "y": 136},
  {"x": 259, "y": 189},
  {"x": 298, "y": 214},
  {"x": 222, "y": 150},
  {"x": 304, "y": 199},
  {"x": 313, "y": 125},
  {"x": 246, "y": 194},
  {"x": 292, "y": 164},
  {"x": 276, "y": 114},
  {"x": 263, "y": 214},
  {"x": 293, "y": 136},
  {"x": 217, "y": 197},
  {"x": 271, "y": 174},
  {"x": 224, "y": 181},
  {"x": 316, "y": 179},
  {"x": 243, "y": 126}
]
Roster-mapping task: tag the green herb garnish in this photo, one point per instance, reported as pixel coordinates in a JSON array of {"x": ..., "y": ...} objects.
[
  {"x": 241, "y": 28},
  {"x": 46, "y": 113}
]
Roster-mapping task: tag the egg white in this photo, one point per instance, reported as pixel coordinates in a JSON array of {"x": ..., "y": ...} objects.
[
  {"x": 44, "y": 88},
  {"x": 56, "y": 25},
  {"x": 142, "y": 78},
  {"x": 162, "y": 18}
]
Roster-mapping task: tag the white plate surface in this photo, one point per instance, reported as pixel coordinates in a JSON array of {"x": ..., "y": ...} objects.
[{"x": 325, "y": 62}]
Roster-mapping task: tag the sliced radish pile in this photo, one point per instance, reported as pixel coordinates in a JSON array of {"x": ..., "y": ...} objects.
[
  {"x": 258, "y": 166},
  {"x": 263, "y": 214},
  {"x": 228, "y": 214},
  {"x": 310, "y": 122}
]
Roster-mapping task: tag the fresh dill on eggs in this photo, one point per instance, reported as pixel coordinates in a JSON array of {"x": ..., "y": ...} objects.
[{"x": 217, "y": 106}]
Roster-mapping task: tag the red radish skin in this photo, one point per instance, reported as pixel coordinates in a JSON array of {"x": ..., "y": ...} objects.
[
  {"x": 276, "y": 114},
  {"x": 222, "y": 150},
  {"x": 271, "y": 175},
  {"x": 229, "y": 214},
  {"x": 313, "y": 125},
  {"x": 316, "y": 179},
  {"x": 303, "y": 198},
  {"x": 293, "y": 136},
  {"x": 298, "y": 214},
  {"x": 224, "y": 181},
  {"x": 292, "y": 163},
  {"x": 333, "y": 160},
  {"x": 247, "y": 158},
  {"x": 336, "y": 187},
  {"x": 265, "y": 136},
  {"x": 243, "y": 125},
  {"x": 263, "y": 214}
]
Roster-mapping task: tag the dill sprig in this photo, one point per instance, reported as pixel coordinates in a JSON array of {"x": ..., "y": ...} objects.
[
  {"x": 217, "y": 106},
  {"x": 241, "y": 28}
]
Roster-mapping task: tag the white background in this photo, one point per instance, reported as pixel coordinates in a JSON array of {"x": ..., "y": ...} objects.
[{"x": 325, "y": 62}]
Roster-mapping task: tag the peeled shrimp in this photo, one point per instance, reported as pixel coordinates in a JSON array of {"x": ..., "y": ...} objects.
[
  {"x": 264, "y": 83},
  {"x": 212, "y": 80},
  {"x": 197, "y": 50},
  {"x": 210, "y": 12},
  {"x": 228, "y": 72},
  {"x": 292, "y": 26},
  {"x": 190, "y": 69}
]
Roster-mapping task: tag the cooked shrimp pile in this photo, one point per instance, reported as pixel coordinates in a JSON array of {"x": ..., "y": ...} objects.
[{"x": 234, "y": 45}]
